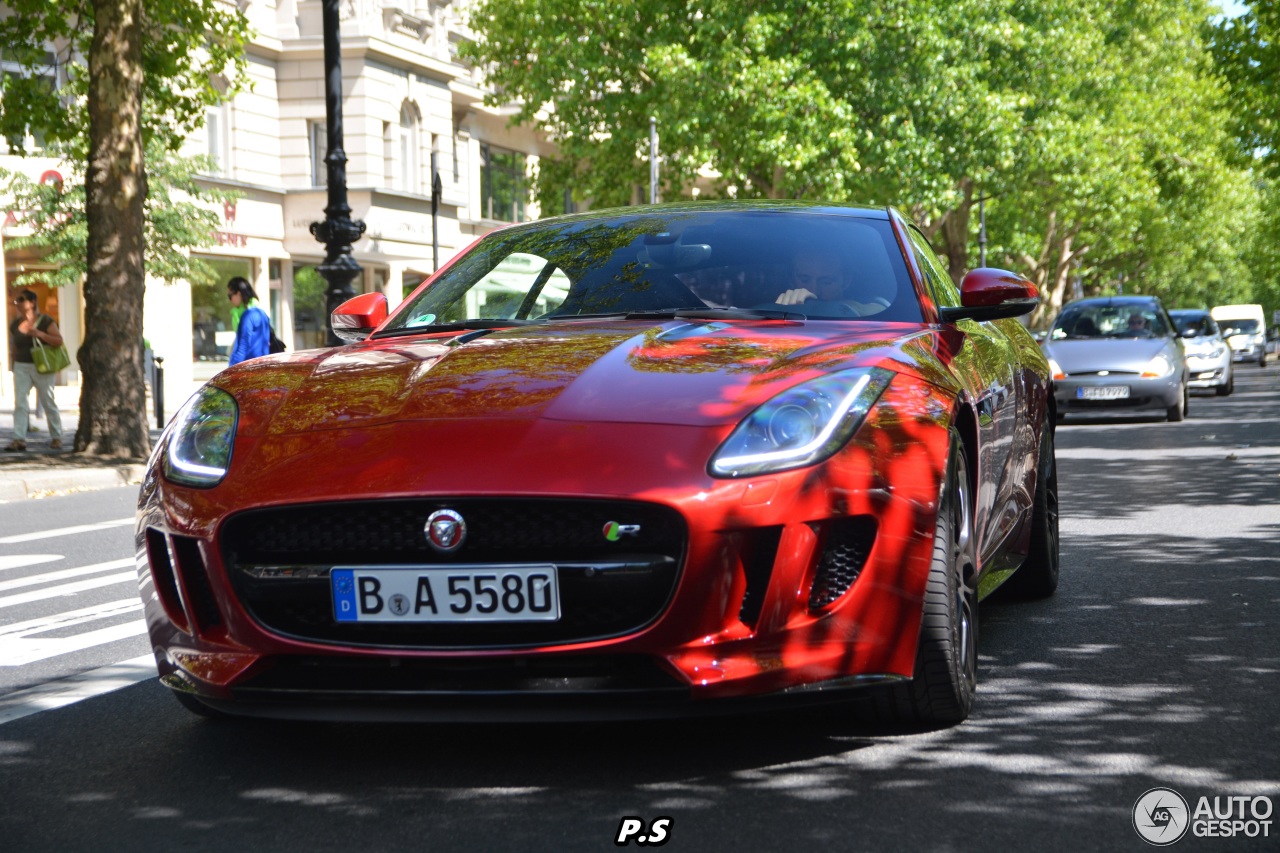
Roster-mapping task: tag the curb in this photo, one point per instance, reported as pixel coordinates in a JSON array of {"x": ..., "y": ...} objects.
[{"x": 19, "y": 485}]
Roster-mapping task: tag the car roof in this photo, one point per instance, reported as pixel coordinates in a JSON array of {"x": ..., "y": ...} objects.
[
  {"x": 726, "y": 206},
  {"x": 1114, "y": 300}
]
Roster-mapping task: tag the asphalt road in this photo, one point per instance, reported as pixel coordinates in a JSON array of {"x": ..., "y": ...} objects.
[{"x": 1157, "y": 664}]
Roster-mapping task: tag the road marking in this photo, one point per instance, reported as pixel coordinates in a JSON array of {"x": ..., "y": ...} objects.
[
  {"x": 59, "y": 621},
  {"x": 65, "y": 531},
  {"x": 67, "y": 691},
  {"x": 67, "y": 589},
  {"x": 21, "y": 561},
  {"x": 20, "y": 651},
  {"x": 63, "y": 574}
]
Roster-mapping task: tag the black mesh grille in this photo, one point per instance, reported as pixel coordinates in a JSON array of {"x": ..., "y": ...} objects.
[
  {"x": 848, "y": 543},
  {"x": 570, "y": 534}
]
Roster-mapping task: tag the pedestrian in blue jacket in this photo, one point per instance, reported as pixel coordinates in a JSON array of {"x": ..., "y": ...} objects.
[{"x": 253, "y": 329}]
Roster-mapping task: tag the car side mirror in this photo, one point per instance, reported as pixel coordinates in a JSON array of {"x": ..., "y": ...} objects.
[
  {"x": 992, "y": 294},
  {"x": 355, "y": 319}
]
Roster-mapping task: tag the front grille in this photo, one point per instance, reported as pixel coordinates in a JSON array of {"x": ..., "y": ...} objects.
[
  {"x": 279, "y": 559},
  {"x": 844, "y": 553}
]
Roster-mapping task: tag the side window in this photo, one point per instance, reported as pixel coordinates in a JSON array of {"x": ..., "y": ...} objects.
[
  {"x": 503, "y": 293},
  {"x": 937, "y": 279}
]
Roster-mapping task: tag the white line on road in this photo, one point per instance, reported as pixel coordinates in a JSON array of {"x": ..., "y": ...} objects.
[
  {"x": 64, "y": 531},
  {"x": 19, "y": 651},
  {"x": 63, "y": 574},
  {"x": 67, "y": 589},
  {"x": 66, "y": 691},
  {"x": 60, "y": 621},
  {"x": 21, "y": 561}
]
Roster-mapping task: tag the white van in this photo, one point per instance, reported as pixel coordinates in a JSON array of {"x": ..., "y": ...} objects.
[{"x": 1245, "y": 328}]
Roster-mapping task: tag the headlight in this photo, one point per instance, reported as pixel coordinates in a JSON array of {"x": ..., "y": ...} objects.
[
  {"x": 1158, "y": 367},
  {"x": 1055, "y": 370},
  {"x": 802, "y": 425},
  {"x": 199, "y": 451}
]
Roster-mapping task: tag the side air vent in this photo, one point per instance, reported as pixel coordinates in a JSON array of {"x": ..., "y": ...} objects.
[
  {"x": 759, "y": 550},
  {"x": 195, "y": 580},
  {"x": 163, "y": 578}
]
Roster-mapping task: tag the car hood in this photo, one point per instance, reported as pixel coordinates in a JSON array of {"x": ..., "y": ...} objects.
[
  {"x": 685, "y": 373},
  {"x": 1093, "y": 354}
]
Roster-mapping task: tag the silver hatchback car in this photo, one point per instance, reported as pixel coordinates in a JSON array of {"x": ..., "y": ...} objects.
[
  {"x": 1113, "y": 354},
  {"x": 1208, "y": 355}
]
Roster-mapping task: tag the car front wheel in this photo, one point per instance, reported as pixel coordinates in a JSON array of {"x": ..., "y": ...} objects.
[{"x": 941, "y": 690}]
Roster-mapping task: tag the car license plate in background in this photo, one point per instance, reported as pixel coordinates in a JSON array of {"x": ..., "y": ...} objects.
[
  {"x": 445, "y": 594},
  {"x": 1102, "y": 392}
]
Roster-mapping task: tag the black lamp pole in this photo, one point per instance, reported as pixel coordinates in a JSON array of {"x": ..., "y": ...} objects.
[{"x": 338, "y": 231}]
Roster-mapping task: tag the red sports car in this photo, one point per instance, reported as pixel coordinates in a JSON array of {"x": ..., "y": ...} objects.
[{"x": 660, "y": 460}]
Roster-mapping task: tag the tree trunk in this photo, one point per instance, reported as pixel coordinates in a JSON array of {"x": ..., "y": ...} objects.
[
  {"x": 954, "y": 230},
  {"x": 113, "y": 419}
]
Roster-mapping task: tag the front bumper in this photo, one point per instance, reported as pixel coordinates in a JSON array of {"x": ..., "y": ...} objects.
[
  {"x": 1204, "y": 372},
  {"x": 1082, "y": 394},
  {"x": 773, "y": 595}
]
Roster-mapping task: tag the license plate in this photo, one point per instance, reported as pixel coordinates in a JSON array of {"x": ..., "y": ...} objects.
[
  {"x": 486, "y": 593},
  {"x": 1102, "y": 392}
]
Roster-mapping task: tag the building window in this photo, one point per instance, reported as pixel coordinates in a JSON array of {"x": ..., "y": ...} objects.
[
  {"x": 409, "y": 147},
  {"x": 319, "y": 136},
  {"x": 217, "y": 130},
  {"x": 43, "y": 77},
  {"x": 388, "y": 155},
  {"x": 503, "y": 185}
]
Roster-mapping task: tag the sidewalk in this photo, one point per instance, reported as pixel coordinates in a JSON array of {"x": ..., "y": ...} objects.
[{"x": 41, "y": 470}]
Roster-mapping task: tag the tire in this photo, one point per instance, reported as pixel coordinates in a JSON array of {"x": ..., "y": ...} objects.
[
  {"x": 1037, "y": 577},
  {"x": 1178, "y": 411},
  {"x": 195, "y": 706},
  {"x": 1224, "y": 390},
  {"x": 942, "y": 688}
]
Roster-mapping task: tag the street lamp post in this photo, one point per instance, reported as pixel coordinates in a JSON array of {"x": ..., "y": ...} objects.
[{"x": 338, "y": 230}]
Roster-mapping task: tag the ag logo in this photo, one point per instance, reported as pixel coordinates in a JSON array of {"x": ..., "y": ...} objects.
[
  {"x": 613, "y": 531},
  {"x": 445, "y": 530},
  {"x": 1161, "y": 817}
]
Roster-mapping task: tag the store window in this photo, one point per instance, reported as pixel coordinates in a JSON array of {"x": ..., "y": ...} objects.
[
  {"x": 212, "y": 332},
  {"x": 310, "y": 329},
  {"x": 503, "y": 184}
]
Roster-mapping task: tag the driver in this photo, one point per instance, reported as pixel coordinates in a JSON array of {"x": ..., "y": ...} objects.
[{"x": 823, "y": 274}]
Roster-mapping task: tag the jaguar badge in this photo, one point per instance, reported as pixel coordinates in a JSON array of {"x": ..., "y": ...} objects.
[{"x": 446, "y": 531}]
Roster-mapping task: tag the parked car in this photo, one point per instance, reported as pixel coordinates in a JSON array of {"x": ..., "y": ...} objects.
[
  {"x": 1208, "y": 356},
  {"x": 1117, "y": 353},
  {"x": 1244, "y": 327},
  {"x": 693, "y": 459}
]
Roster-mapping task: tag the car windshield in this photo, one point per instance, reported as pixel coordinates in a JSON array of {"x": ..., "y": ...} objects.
[
  {"x": 683, "y": 260},
  {"x": 1110, "y": 320},
  {"x": 1194, "y": 323},
  {"x": 1239, "y": 327}
]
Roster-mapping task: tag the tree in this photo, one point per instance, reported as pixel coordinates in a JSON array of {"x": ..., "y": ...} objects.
[
  {"x": 146, "y": 76},
  {"x": 1092, "y": 128}
]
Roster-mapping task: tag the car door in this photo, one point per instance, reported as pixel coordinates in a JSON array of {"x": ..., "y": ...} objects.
[{"x": 986, "y": 366}]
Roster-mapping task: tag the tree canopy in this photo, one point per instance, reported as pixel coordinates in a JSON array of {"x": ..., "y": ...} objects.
[{"x": 1097, "y": 134}]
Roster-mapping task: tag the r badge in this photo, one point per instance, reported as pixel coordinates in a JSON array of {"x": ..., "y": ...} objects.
[
  {"x": 446, "y": 531},
  {"x": 613, "y": 531}
]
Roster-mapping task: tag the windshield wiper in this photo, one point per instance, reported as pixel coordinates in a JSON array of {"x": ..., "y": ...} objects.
[{"x": 460, "y": 326}]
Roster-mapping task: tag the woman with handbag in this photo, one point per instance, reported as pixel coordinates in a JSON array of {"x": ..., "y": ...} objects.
[{"x": 30, "y": 332}]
